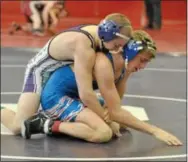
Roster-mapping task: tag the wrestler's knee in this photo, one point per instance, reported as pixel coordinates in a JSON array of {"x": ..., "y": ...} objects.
[
  {"x": 16, "y": 124},
  {"x": 16, "y": 129},
  {"x": 28, "y": 104},
  {"x": 102, "y": 134}
]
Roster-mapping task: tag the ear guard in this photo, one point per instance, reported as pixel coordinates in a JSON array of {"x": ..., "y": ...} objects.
[{"x": 109, "y": 30}]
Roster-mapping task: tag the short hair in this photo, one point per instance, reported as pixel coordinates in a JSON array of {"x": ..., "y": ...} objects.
[
  {"x": 122, "y": 21},
  {"x": 143, "y": 36}
]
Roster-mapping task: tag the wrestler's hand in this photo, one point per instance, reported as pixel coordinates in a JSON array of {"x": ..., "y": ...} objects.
[
  {"x": 167, "y": 137},
  {"x": 115, "y": 128}
]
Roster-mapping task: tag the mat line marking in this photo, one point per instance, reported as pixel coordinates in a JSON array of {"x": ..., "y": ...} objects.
[
  {"x": 146, "y": 69},
  {"x": 126, "y": 95},
  {"x": 94, "y": 159},
  {"x": 6, "y": 133}
]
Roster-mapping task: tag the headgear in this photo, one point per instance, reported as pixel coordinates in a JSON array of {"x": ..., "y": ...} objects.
[
  {"x": 108, "y": 30},
  {"x": 133, "y": 47}
]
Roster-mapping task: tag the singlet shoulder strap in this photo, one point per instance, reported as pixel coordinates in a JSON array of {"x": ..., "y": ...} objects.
[{"x": 109, "y": 55}]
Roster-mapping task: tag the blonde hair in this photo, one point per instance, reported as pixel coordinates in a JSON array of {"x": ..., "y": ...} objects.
[
  {"x": 143, "y": 36},
  {"x": 122, "y": 21}
]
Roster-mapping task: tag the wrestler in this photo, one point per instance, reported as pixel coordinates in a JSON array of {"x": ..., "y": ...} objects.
[{"x": 78, "y": 45}]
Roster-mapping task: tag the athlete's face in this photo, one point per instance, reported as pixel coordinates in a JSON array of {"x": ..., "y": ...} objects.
[
  {"x": 139, "y": 62},
  {"x": 115, "y": 44}
]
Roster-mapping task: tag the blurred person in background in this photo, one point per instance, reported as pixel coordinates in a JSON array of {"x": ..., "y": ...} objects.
[
  {"x": 32, "y": 11},
  {"x": 58, "y": 11},
  {"x": 51, "y": 8},
  {"x": 153, "y": 14},
  {"x": 41, "y": 16}
]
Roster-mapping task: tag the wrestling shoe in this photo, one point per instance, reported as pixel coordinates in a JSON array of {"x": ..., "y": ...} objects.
[
  {"x": 37, "y": 124},
  {"x": 38, "y": 32}
]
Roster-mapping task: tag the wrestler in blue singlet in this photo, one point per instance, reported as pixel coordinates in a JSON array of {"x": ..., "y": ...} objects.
[{"x": 60, "y": 97}]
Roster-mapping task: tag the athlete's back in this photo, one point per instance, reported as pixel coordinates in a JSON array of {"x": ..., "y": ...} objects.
[{"x": 68, "y": 40}]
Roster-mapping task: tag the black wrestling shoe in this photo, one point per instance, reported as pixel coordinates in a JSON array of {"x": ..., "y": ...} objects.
[{"x": 37, "y": 124}]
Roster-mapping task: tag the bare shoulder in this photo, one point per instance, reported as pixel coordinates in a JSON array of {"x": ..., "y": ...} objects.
[
  {"x": 103, "y": 70},
  {"x": 83, "y": 40},
  {"x": 102, "y": 62},
  {"x": 84, "y": 48},
  {"x": 64, "y": 45}
]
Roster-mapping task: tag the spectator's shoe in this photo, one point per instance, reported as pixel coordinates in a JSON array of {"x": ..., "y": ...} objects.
[
  {"x": 148, "y": 27},
  {"x": 38, "y": 32},
  {"x": 156, "y": 26},
  {"x": 14, "y": 27},
  {"x": 152, "y": 27},
  {"x": 36, "y": 124}
]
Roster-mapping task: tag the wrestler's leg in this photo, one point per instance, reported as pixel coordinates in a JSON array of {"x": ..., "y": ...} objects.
[
  {"x": 28, "y": 102},
  {"x": 67, "y": 116},
  {"x": 35, "y": 17},
  {"x": 88, "y": 126},
  {"x": 27, "y": 105}
]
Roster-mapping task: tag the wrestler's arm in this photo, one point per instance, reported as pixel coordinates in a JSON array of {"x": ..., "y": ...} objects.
[
  {"x": 105, "y": 79},
  {"x": 84, "y": 60}
]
